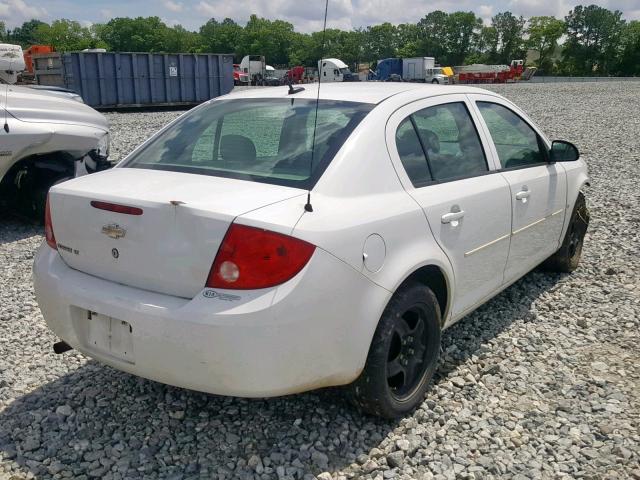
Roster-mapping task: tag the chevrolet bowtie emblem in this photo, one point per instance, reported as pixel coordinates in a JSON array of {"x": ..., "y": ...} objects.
[{"x": 114, "y": 231}]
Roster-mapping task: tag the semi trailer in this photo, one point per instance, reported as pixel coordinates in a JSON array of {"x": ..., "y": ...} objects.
[
  {"x": 11, "y": 62},
  {"x": 335, "y": 70},
  {"x": 416, "y": 69}
]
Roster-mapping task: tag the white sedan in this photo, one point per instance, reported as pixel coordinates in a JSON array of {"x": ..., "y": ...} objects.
[{"x": 241, "y": 251}]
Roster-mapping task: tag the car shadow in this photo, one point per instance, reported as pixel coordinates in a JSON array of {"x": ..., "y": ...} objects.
[
  {"x": 14, "y": 228},
  {"x": 146, "y": 428}
]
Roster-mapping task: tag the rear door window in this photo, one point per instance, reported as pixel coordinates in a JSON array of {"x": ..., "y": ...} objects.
[{"x": 449, "y": 141}]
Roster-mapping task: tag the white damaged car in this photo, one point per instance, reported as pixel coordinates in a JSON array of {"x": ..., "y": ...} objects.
[
  {"x": 47, "y": 136},
  {"x": 241, "y": 251}
]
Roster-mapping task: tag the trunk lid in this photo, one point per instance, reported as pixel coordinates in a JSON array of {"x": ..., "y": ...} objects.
[{"x": 170, "y": 247}]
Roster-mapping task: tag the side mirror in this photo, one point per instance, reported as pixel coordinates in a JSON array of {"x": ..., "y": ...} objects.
[{"x": 562, "y": 151}]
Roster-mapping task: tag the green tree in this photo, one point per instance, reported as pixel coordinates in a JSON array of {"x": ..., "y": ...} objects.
[
  {"x": 593, "y": 40},
  {"x": 381, "y": 41},
  {"x": 67, "y": 35},
  {"x": 179, "y": 39},
  {"x": 25, "y": 34},
  {"x": 463, "y": 30},
  {"x": 334, "y": 46},
  {"x": 221, "y": 37},
  {"x": 486, "y": 50},
  {"x": 544, "y": 33},
  {"x": 271, "y": 38},
  {"x": 141, "y": 34},
  {"x": 433, "y": 34},
  {"x": 301, "y": 51},
  {"x": 3, "y": 32},
  {"x": 353, "y": 47},
  {"x": 510, "y": 32},
  {"x": 408, "y": 40},
  {"x": 629, "y": 63}
]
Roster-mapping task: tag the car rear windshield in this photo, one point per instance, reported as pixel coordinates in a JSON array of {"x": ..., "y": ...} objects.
[{"x": 261, "y": 140}]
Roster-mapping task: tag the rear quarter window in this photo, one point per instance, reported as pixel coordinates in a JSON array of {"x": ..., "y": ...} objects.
[{"x": 411, "y": 154}]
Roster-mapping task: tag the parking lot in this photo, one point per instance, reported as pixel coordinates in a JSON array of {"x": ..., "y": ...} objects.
[{"x": 541, "y": 382}]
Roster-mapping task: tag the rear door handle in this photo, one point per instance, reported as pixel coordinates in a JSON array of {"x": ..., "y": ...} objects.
[{"x": 452, "y": 217}]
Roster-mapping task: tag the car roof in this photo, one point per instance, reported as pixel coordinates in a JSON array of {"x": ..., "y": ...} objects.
[{"x": 363, "y": 92}]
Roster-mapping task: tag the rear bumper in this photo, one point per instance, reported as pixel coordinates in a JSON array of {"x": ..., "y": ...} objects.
[{"x": 311, "y": 332}]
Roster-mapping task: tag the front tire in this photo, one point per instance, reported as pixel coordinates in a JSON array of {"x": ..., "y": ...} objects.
[
  {"x": 567, "y": 258},
  {"x": 403, "y": 355},
  {"x": 435, "y": 81}
]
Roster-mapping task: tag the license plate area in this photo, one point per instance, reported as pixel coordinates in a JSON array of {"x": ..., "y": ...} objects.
[{"x": 109, "y": 335}]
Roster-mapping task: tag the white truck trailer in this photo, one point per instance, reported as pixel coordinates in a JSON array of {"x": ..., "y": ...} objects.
[
  {"x": 11, "y": 62},
  {"x": 423, "y": 69},
  {"x": 255, "y": 67}
]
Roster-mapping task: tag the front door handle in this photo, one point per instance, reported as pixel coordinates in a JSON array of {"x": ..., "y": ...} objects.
[
  {"x": 452, "y": 217},
  {"x": 523, "y": 194}
]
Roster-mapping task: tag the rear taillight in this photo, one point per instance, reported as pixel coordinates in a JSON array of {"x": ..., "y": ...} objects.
[
  {"x": 252, "y": 258},
  {"x": 48, "y": 226}
]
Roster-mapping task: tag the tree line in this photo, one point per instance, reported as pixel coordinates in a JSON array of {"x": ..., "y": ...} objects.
[{"x": 590, "y": 40}]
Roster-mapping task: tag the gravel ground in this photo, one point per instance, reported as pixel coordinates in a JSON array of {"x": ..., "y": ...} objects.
[{"x": 542, "y": 382}]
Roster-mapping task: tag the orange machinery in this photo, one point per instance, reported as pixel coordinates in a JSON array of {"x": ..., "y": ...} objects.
[{"x": 35, "y": 50}]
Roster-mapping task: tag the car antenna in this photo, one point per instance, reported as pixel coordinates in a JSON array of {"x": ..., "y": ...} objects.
[
  {"x": 6, "y": 106},
  {"x": 6, "y": 119},
  {"x": 308, "y": 207}
]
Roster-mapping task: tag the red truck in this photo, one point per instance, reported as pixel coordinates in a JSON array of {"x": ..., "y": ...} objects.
[
  {"x": 478, "y": 73},
  {"x": 300, "y": 75},
  {"x": 239, "y": 77}
]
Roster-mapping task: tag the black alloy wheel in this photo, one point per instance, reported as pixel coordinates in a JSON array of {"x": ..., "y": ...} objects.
[
  {"x": 406, "y": 357},
  {"x": 403, "y": 355}
]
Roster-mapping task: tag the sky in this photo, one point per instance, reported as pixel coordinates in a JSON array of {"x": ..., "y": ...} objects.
[{"x": 306, "y": 16}]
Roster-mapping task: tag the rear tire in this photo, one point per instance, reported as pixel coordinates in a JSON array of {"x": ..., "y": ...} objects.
[
  {"x": 435, "y": 81},
  {"x": 567, "y": 258},
  {"x": 403, "y": 355}
]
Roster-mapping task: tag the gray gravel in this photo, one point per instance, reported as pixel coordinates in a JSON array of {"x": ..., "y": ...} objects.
[
  {"x": 542, "y": 382},
  {"x": 128, "y": 130}
]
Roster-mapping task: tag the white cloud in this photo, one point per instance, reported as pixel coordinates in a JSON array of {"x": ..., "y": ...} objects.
[
  {"x": 530, "y": 8},
  {"x": 304, "y": 16},
  {"x": 173, "y": 6},
  {"x": 172, "y": 22},
  {"x": 14, "y": 12},
  {"x": 215, "y": 10},
  {"x": 485, "y": 12},
  {"x": 106, "y": 14}
]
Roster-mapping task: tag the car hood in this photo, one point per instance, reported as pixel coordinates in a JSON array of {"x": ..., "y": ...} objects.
[
  {"x": 43, "y": 106},
  {"x": 58, "y": 91}
]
